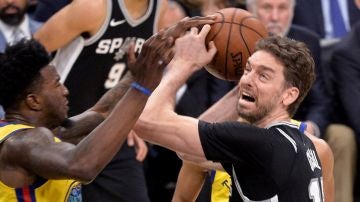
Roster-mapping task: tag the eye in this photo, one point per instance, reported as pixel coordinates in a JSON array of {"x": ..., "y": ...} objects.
[
  {"x": 247, "y": 70},
  {"x": 264, "y": 77}
]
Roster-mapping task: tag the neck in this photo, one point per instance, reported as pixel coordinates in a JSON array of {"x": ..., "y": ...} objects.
[
  {"x": 272, "y": 118},
  {"x": 136, "y": 8},
  {"x": 18, "y": 118}
]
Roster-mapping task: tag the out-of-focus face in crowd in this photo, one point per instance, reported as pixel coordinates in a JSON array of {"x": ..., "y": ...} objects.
[
  {"x": 276, "y": 15},
  {"x": 12, "y": 11}
]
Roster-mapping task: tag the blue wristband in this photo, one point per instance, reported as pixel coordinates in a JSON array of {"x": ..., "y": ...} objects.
[{"x": 141, "y": 88}]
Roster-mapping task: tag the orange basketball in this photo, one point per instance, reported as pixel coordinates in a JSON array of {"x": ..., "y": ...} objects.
[{"x": 234, "y": 33}]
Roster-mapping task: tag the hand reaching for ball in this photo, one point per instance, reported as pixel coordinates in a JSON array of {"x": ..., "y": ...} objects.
[{"x": 191, "y": 50}]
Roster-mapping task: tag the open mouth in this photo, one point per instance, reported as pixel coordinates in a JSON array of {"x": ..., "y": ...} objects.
[{"x": 247, "y": 97}]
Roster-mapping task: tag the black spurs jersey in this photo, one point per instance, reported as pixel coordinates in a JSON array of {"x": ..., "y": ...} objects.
[
  {"x": 277, "y": 163},
  {"x": 91, "y": 66}
]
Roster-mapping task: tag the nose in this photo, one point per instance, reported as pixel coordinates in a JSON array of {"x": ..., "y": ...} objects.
[
  {"x": 246, "y": 79},
  {"x": 66, "y": 91},
  {"x": 274, "y": 15}
]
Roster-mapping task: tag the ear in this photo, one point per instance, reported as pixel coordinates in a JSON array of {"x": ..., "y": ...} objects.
[
  {"x": 33, "y": 101},
  {"x": 290, "y": 95}
]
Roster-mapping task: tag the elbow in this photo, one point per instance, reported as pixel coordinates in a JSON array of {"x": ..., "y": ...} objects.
[{"x": 84, "y": 172}]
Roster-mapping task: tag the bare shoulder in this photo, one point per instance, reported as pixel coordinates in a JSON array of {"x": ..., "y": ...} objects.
[
  {"x": 323, "y": 149},
  {"x": 321, "y": 146},
  {"x": 23, "y": 141}
]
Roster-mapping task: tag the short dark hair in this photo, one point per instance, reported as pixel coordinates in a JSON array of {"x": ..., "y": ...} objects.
[
  {"x": 20, "y": 67},
  {"x": 299, "y": 66}
]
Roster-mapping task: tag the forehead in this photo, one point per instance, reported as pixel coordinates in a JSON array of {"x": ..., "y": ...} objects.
[
  {"x": 262, "y": 58},
  {"x": 49, "y": 73},
  {"x": 22, "y": 2},
  {"x": 275, "y": 2}
]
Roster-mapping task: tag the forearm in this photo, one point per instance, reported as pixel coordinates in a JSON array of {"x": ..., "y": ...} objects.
[
  {"x": 99, "y": 147},
  {"x": 108, "y": 101},
  {"x": 73, "y": 130},
  {"x": 223, "y": 110},
  {"x": 190, "y": 180}
]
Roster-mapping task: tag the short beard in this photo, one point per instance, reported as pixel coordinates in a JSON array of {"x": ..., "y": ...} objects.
[
  {"x": 12, "y": 19},
  {"x": 254, "y": 117}
]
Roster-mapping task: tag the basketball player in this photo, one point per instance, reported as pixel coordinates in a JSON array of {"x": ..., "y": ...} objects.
[
  {"x": 191, "y": 177},
  {"x": 35, "y": 164},
  {"x": 92, "y": 38},
  {"x": 268, "y": 159}
]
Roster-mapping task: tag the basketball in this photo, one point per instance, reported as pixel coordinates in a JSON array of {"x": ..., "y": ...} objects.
[{"x": 234, "y": 33}]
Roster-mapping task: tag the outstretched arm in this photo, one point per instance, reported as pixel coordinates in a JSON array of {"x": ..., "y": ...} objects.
[
  {"x": 36, "y": 151},
  {"x": 159, "y": 123},
  {"x": 192, "y": 176}
]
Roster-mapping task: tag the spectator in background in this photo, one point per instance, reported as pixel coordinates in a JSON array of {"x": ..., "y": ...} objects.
[
  {"x": 328, "y": 18},
  {"x": 15, "y": 24},
  {"x": 92, "y": 38},
  {"x": 346, "y": 67}
]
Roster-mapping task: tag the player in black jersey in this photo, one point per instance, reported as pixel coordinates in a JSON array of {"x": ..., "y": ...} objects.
[{"x": 268, "y": 159}]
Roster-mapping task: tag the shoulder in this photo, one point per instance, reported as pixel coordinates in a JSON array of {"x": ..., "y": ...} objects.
[
  {"x": 322, "y": 148},
  {"x": 298, "y": 30},
  {"x": 23, "y": 141},
  {"x": 25, "y": 138},
  {"x": 34, "y": 25}
]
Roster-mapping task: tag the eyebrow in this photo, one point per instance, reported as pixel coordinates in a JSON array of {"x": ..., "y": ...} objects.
[{"x": 262, "y": 67}]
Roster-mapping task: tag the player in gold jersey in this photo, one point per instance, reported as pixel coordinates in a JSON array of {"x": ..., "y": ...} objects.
[{"x": 34, "y": 164}]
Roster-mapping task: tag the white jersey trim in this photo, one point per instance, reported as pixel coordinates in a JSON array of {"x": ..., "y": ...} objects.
[
  {"x": 246, "y": 199},
  {"x": 292, "y": 141},
  {"x": 67, "y": 56},
  {"x": 104, "y": 26},
  {"x": 128, "y": 18},
  {"x": 283, "y": 123}
]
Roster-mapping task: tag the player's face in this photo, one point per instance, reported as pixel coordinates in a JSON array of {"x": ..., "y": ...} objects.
[
  {"x": 261, "y": 88},
  {"x": 12, "y": 11},
  {"x": 54, "y": 97},
  {"x": 276, "y": 15}
]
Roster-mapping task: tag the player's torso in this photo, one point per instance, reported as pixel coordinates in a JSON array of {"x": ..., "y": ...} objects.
[
  {"x": 300, "y": 183},
  {"x": 97, "y": 63}
]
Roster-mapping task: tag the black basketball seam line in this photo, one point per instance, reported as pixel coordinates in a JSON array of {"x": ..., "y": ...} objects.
[
  {"x": 243, "y": 39},
  {"x": 241, "y": 33},
  {"x": 227, "y": 46},
  {"x": 223, "y": 19},
  {"x": 241, "y": 24}
]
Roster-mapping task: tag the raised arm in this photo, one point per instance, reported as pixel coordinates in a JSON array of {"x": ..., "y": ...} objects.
[
  {"x": 36, "y": 150},
  {"x": 159, "y": 123}
]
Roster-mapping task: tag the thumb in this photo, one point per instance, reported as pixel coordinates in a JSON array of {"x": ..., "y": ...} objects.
[
  {"x": 131, "y": 52},
  {"x": 130, "y": 139},
  {"x": 212, "y": 48}
]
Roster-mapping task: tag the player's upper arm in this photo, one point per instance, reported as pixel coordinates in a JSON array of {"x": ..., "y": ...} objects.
[
  {"x": 36, "y": 151},
  {"x": 327, "y": 164},
  {"x": 80, "y": 16},
  {"x": 163, "y": 9}
]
